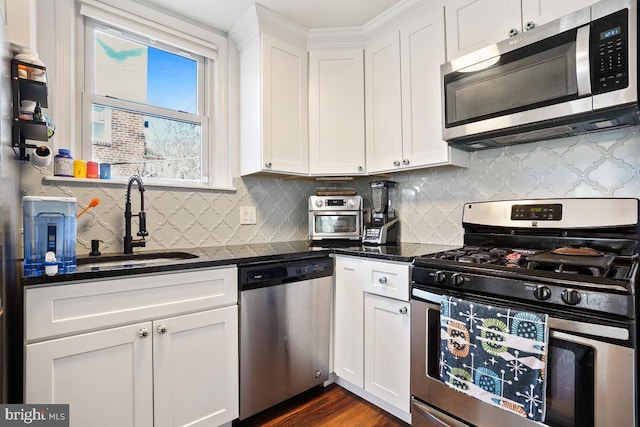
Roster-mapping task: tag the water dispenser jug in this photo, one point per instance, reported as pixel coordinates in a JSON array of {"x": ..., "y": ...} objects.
[{"x": 49, "y": 226}]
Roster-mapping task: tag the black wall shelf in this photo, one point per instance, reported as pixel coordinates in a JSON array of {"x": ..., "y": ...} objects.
[{"x": 27, "y": 89}]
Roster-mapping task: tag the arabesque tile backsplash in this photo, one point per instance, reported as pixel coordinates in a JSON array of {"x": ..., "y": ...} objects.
[{"x": 430, "y": 201}]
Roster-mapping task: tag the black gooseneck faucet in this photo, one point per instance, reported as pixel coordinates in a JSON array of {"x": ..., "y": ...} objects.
[{"x": 129, "y": 243}]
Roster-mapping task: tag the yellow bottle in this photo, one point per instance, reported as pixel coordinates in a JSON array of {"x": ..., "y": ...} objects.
[{"x": 79, "y": 169}]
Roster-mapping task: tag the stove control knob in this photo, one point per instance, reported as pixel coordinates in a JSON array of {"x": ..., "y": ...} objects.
[
  {"x": 440, "y": 276},
  {"x": 457, "y": 279},
  {"x": 571, "y": 296},
  {"x": 542, "y": 293},
  {"x": 319, "y": 203}
]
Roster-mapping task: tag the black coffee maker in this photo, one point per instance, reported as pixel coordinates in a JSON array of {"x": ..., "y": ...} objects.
[{"x": 384, "y": 225}]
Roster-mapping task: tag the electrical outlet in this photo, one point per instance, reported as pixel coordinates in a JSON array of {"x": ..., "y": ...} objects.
[{"x": 247, "y": 215}]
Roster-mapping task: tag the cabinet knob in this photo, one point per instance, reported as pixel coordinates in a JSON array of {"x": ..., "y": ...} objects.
[
  {"x": 382, "y": 280},
  {"x": 360, "y": 168},
  {"x": 396, "y": 163},
  {"x": 162, "y": 329},
  {"x": 143, "y": 332},
  {"x": 405, "y": 162},
  {"x": 513, "y": 32},
  {"x": 529, "y": 26},
  {"x": 267, "y": 165},
  {"x": 403, "y": 310}
]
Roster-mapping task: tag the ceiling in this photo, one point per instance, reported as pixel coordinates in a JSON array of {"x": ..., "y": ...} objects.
[{"x": 222, "y": 14}]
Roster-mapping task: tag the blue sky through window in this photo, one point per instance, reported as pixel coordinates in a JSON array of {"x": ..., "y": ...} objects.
[
  {"x": 172, "y": 81},
  {"x": 168, "y": 80}
]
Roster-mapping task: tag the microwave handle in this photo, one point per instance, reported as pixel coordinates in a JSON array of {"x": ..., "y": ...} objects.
[{"x": 583, "y": 69}]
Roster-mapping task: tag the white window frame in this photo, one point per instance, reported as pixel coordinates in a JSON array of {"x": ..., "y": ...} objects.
[
  {"x": 61, "y": 39},
  {"x": 89, "y": 98}
]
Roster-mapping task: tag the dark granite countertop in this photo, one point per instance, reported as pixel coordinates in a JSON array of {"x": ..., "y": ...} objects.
[{"x": 218, "y": 256}]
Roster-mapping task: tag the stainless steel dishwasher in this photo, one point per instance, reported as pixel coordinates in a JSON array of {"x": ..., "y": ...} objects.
[{"x": 285, "y": 317}]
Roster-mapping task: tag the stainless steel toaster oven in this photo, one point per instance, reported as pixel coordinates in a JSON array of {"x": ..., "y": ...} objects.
[{"x": 335, "y": 217}]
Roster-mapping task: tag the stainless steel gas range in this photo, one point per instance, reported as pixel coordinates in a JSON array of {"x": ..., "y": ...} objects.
[{"x": 573, "y": 262}]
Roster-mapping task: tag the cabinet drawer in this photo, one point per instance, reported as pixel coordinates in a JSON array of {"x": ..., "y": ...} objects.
[
  {"x": 64, "y": 309},
  {"x": 388, "y": 279}
]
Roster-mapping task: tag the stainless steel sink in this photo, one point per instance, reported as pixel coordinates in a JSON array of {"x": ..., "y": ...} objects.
[{"x": 142, "y": 259}]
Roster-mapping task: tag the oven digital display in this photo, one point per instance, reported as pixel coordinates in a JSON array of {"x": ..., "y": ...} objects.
[
  {"x": 335, "y": 202},
  {"x": 551, "y": 212}
]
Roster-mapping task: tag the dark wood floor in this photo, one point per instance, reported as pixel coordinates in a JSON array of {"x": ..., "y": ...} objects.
[{"x": 331, "y": 406}]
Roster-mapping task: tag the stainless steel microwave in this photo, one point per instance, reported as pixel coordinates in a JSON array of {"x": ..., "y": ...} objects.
[
  {"x": 574, "y": 75},
  {"x": 335, "y": 217}
]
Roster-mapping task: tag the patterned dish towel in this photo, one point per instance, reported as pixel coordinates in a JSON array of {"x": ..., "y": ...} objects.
[{"x": 495, "y": 354}]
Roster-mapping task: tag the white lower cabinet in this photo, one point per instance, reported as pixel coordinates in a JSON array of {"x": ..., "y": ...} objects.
[
  {"x": 387, "y": 350},
  {"x": 195, "y": 368},
  {"x": 106, "y": 377},
  {"x": 164, "y": 370},
  {"x": 372, "y": 331},
  {"x": 348, "y": 355}
]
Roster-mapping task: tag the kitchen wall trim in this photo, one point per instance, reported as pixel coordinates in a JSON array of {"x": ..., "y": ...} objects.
[
  {"x": 356, "y": 37},
  {"x": 260, "y": 19}
]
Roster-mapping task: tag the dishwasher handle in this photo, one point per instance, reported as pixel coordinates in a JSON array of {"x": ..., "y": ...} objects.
[{"x": 260, "y": 275}]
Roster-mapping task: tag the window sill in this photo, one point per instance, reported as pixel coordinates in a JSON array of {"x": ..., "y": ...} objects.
[{"x": 123, "y": 182}]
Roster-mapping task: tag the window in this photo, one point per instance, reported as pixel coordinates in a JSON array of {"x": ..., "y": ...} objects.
[{"x": 145, "y": 105}]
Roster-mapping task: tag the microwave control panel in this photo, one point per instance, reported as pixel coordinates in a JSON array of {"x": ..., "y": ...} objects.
[{"x": 610, "y": 52}]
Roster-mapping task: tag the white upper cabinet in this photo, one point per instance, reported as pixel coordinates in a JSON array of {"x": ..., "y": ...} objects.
[
  {"x": 383, "y": 103},
  {"x": 538, "y": 12},
  {"x": 403, "y": 97},
  {"x": 348, "y": 117},
  {"x": 422, "y": 51},
  {"x": 273, "y": 97},
  {"x": 474, "y": 24},
  {"x": 336, "y": 112}
]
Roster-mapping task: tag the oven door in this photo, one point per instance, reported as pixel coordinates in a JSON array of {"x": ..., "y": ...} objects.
[
  {"x": 335, "y": 225},
  {"x": 591, "y": 380}
]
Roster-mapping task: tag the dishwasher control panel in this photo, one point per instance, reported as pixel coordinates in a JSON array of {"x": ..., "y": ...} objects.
[{"x": 279, "y": 272}]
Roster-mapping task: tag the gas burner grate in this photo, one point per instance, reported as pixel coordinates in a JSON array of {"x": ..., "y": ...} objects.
[
  {"x": 482, "y": 255},
  {"x": 596, "y": 266},
  {"x": 568, "y": 269},
  {"x": 604, "y": 265}
]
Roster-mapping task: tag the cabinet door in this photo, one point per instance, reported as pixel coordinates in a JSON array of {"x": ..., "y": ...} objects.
[
  {"x": 422, "y": 51},
  {"x": 387, "y": 350},
  {"x": 474, "y": 24},
  {"x": 336, "y": 112},
  {"x": 383, "y": 103},
  {"x": 538, "y": 12},
  {"x": 195, "y": 368},
  {"x": 284, "y": 106},
  {"x": 105, "y": 376},
  {"x": 348, "y": 318}
]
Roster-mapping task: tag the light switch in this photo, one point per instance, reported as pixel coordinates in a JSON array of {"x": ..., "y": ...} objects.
[{"x": 247, "y": 215}]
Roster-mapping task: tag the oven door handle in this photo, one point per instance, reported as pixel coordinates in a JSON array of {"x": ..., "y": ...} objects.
[
  {"x": 427, "y": 296},
  {"x": 555, "y": 324},
  {"x": 424, "y": 416}
]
